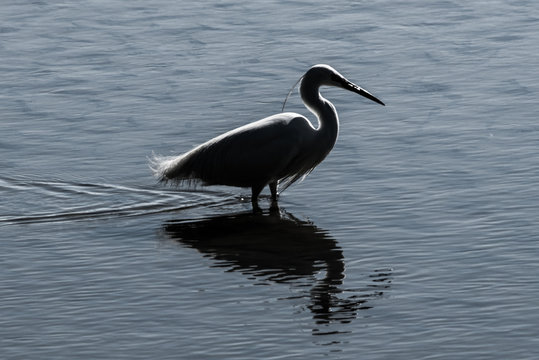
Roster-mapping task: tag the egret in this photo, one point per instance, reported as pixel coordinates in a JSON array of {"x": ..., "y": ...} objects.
[{"x": 277, "y": 150}]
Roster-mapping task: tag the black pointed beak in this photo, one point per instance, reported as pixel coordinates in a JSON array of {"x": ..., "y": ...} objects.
[{"x": 353, "y": 87}]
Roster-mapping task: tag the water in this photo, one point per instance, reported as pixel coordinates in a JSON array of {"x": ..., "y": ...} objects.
[{"x": 415, "y": 239}]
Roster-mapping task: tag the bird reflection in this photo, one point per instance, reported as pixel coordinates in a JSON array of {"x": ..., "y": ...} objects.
[{"x": 280, "y": 248}]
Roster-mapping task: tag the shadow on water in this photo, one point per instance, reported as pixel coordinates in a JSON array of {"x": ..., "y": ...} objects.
[{"x": 280, "y": 248}]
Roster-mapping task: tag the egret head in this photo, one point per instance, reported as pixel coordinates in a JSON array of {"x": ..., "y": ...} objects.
[
  {"x": 322, "y": 74},
  {"x": 325, "y": 75}
]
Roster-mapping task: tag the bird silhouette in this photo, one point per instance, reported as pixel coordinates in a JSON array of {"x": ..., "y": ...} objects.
[{"x": 276, "y": 151}]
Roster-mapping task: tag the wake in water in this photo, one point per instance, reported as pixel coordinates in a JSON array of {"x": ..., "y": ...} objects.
[{"x": 27, "y": 200}]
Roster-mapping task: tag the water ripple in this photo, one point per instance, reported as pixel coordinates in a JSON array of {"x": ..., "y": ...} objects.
[{"x": 72, "y": 200}]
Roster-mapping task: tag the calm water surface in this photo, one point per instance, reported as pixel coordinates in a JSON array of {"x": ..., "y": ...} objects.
[{"x": 417, "y": 238}]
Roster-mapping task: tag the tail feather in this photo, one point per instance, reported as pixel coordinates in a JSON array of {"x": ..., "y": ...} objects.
[
  {"x": 158, "y": 165},
  {"x": 175, "y": 169},
  {"x": 164, "y": 167}
]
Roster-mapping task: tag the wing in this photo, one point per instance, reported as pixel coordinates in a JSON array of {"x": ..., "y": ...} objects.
[{"x": 257, "y": 153}]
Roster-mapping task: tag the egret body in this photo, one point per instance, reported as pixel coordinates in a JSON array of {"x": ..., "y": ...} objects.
[{"x": 277, "y": 150}]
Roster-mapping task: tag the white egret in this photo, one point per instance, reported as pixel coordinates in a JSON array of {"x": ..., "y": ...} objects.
[{"x": 277, "y": 150}]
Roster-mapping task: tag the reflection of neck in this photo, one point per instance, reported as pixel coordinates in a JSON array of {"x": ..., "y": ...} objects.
[{"x": 323, "y": 291}]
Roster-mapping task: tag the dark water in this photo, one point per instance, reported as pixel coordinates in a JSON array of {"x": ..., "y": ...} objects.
[{"x": 415, "y": 239}]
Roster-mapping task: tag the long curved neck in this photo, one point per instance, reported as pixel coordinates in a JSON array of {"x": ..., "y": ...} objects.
[{"x": 328, "y": 120}]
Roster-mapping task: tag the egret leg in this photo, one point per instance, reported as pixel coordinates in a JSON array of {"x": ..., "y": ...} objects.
[
  {"x": 273, "y": 189},
  {"x": 274, "y": 207},
  {"x": 255, "y": 191}
]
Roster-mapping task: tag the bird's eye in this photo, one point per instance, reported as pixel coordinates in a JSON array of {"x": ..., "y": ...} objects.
[{"x": 337, "y": 79}]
